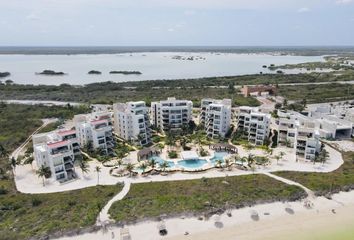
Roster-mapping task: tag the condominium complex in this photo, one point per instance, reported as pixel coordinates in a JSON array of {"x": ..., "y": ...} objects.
[
  {"x": 131, "y": 122},
  {"x": 171, "y": 114},
  {"x": 57, "y": 150},
  {"x": 254, "y": 124},
  {"x": 95, "y": 129},
  {"x": 215, "y": 116},
  {"x": 300, "y": 132}
]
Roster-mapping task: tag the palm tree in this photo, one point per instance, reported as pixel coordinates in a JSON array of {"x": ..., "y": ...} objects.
[
  {"x": 29, "y": 160},
  {"x": 84, "y": 167},
  {"x": 277, "y": 157},
  {"x": 42, "y": 172},
  {"x": 218, "y": 163},
  {"x": 250, "y": 160},
  {"x": 98, "y": 170},
  {"x": 228, "y": 163},
  {"x": 324, "y": 156},
  {"x": 164, "y": 165},
  {"x": 119, "y": 162},
  {"x": 282, "y": 154},
  {"x": 13, "y": 164},
  {"x": 129, "y": 167},
  {"x": 152, "y": 163},
  {"x": 143, "y": 167}
]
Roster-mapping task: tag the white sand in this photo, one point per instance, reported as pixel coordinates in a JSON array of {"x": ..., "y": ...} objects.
[
  {"x": 279, "y": 222},
  {"x": 27, "y": 181}
]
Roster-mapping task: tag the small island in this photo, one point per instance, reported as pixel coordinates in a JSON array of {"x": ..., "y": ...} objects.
[
  {"x": 94, "y": 72},
  {"x": 50, "y": 73},
  {"x": 4, "y": 74},
  {"x": 125, "y": 72}
]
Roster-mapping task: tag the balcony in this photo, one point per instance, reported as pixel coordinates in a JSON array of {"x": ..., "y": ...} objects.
[
  {"x": 59, "y": 150},
  {"x": 68, "y": 166},
  {"x": 67, "y": 159}
]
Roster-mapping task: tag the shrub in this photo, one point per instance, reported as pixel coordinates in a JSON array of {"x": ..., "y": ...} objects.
[{"x": 172, "y": 154}]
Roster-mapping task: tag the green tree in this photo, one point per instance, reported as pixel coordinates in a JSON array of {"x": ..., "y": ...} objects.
[
  {"x": 43, "y": 172},
  {"x": 164, "y": 165},
  {"x": 98, "y": 170},
  {"x": 143, "y": 167},
  {"x": 83, "y": 165},
  {"x": 129, "y": 167},
  {"x": 29, "y": 160},
  {"x": 3, "y": 152},
  {"x": 152, "y": 163}
]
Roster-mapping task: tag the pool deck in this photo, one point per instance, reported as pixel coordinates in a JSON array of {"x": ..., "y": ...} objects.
[{"x": 27, "y": 181}]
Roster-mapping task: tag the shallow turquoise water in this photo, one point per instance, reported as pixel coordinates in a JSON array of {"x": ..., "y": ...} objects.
[
  {"x": 192, "y": 163},
  {"x": 159, "y": 160},
  {"x": 218, "y": 156}
]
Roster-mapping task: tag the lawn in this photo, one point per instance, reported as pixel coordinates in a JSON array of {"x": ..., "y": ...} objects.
[
  {"x": 323, "y": 183},
  {"x": 150, "y": 200}
]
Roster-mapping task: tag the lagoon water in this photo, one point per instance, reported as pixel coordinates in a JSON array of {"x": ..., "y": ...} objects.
[{"x": 153, "y": 65}]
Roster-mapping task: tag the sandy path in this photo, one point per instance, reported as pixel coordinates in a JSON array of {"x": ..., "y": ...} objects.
[{"x": 103, "y": 216}]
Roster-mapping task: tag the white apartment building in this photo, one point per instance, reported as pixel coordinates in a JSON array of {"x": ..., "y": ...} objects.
[
  {"x": 131, "y": 122},
  {"x": 215, "y": 116},
  {"x": 299, "y": 132},
  {"x": 57, "y": 150},
  {"x": 254, "y": 123},
  {"x": 332, "y": 127},
  {"x": 171, "y": 114},
  {"x": 95, "y": 129}
]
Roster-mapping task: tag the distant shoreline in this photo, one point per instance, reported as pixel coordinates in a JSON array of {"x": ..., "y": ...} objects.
[{"x": 290, "y": 50}]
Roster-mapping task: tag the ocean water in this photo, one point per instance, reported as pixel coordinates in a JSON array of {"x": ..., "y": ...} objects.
[{"x": 153, "y": 65}]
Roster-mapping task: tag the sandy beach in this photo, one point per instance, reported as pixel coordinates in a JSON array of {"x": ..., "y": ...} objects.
[{"x": 328, "y": 219}]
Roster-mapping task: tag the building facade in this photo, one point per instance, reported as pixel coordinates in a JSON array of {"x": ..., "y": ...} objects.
[
  {"x": 299, "y": 132},
  {"x": 215, "y": 116},
  {"x": 254, "y": 124},
  {"x": 131, "y": 122},
  {"x": 57, "y": 150},
  {"x": 171, "y": 114},
  {"x": 95, "y": 130}
]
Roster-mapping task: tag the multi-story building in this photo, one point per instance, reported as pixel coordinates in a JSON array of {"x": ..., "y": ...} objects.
[
  {"x": 57, "y": 150},
  {"x": 215, "y": 116},
  {"x": 307, "y": 143},
  {"x": 254, "y": 124},
  {"x": 95, "y": 129},
  {"x": 171, "y": 114},
  {"x": 131, "y": 122},
  {"x": 299, "y": 132}
]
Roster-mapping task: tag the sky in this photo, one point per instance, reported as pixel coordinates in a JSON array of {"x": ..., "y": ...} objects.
[{"x": 176, "y": 22}]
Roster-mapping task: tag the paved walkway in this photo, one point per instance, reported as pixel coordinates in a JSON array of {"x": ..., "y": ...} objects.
[{"x": 103, "y": 217}]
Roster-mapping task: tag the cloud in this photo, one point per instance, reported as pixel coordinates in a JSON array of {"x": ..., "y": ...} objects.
[
  {"x": 33, "y": 17},
  {"x": 343, "y": 2},
  {"x": 171, "y": 30},
  {"x": 303, "y": 10},
  {"x": 189, "y": 12}
]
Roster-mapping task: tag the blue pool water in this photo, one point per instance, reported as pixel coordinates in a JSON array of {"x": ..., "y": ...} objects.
[
  {"x": 159, "y": 161},
  {"x": 192, "y": 163},
  {"x": 218, "y": 156}
]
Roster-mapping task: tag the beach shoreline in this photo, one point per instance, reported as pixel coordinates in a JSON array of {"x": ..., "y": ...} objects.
[{"x": 278, "y": 220}]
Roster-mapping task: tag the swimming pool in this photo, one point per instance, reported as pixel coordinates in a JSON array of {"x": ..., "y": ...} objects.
[
  {"x": 218, "y": 156},
  {"x": 192, "y": 163},
  {"x": 159, "y": 161}
]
